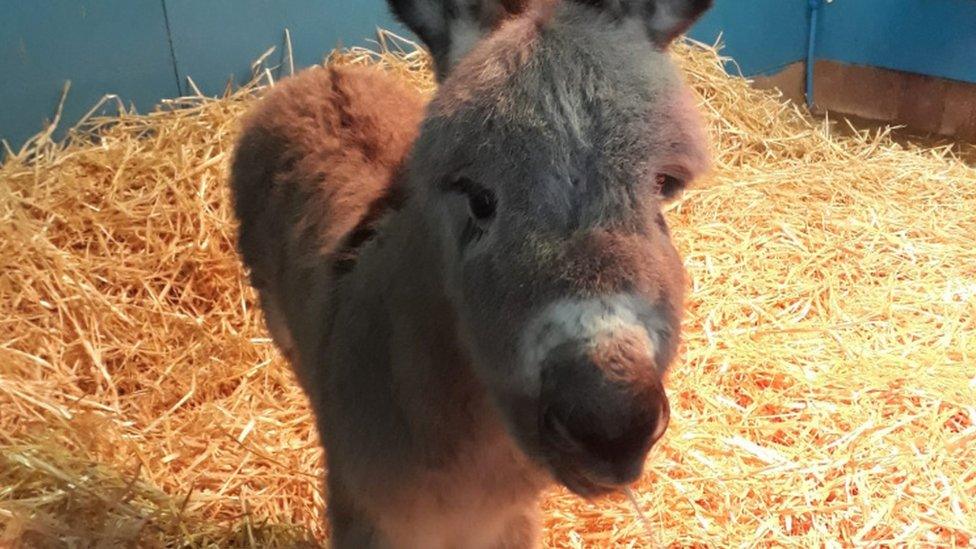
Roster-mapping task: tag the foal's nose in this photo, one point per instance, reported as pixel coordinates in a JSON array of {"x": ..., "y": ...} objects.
[{"x": 604, "y": 413}]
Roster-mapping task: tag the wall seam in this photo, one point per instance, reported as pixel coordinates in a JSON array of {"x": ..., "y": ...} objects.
[
  {"x": 172, "y": 49},
  {"x": 774, "y": 69}
]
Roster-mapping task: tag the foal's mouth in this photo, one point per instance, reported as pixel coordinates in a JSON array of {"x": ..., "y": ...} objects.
[
  {"x": 590, "y": 471},
  {"x": 582, "y": 485},
  {"x": 590, "y": 477}
]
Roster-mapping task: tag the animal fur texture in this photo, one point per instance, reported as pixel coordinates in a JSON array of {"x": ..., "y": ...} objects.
[{"x": 480, "y": 295}]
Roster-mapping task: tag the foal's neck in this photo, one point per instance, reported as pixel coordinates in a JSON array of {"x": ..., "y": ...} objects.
[
  {"x": 434, "y": 412},
  {"x": 436, "y": 386}
]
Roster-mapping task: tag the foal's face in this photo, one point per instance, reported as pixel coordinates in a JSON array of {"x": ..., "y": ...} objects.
[{"x": 544, "y": 162}]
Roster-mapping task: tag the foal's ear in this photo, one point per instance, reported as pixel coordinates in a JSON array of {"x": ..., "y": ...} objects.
[
  {"x": 450, "y": 28},
  {"x": 664, "y": 20}
]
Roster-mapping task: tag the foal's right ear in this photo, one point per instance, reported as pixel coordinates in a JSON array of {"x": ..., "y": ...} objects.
[
  {"x": 450, "y": 28},
  {"x": 664, "y": 20}
]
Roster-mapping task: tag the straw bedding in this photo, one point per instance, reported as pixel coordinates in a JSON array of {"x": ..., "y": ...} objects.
[{"x": 825, "y": 396}]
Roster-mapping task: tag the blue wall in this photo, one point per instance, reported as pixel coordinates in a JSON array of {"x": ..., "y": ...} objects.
[
  {"x": 124, "y": 47},
  {"x": 143, "y": 50},
  {"x": 213, "y": 38},
  {"x": 934, "y": 37},
  {"x": 761, "y": 35},
  {"x": 102, "y": 46}
]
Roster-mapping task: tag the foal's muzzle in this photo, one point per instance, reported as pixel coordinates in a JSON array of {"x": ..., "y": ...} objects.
[{"x": 601, "y": 412}]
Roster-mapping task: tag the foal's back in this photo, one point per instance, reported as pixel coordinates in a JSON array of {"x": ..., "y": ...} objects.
[{"x": 316, "y": 167}]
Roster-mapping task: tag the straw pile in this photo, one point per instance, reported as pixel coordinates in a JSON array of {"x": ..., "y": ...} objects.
[{"x": 826, "y": 394}]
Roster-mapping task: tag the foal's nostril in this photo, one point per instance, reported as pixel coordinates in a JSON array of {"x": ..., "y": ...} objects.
[{"x": 663, "y": 418}]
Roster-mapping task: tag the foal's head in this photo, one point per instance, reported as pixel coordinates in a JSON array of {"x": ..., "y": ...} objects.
[{"x": 558, "y": 132}]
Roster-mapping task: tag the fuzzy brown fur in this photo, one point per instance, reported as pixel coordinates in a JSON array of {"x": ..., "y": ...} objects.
[{"x": 315, "y": 169}]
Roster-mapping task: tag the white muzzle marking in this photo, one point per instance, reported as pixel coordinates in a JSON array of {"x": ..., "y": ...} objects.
[{"x": 586, "y": 321}]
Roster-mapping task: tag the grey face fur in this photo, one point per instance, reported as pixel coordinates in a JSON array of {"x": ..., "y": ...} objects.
[{"x": 544, "y": 162}]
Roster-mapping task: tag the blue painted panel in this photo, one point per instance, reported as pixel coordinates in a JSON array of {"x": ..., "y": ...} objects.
[
  {"x": 761, "y": 35},
  {"x": 122, "y": 46},
  {"x": 219, "y": 38},
  {"x": 934, "y": 37},
  {"x": 102, "y": 46}
]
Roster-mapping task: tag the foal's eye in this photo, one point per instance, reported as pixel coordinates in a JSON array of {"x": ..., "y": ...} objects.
[
  {"x": 481, "y": 201},
  {"x": 482, "y": 204},
  {"x": 481, "y": 208},
  {"x": 669, "y": 185}
]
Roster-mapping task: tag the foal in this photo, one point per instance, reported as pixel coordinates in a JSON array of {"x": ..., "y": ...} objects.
[{"x": 482, "y": 297}]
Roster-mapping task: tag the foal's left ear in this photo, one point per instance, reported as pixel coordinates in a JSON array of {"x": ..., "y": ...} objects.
[
  {"x": 664, "y": 20},
  {"x": 450, "y": 28}
]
